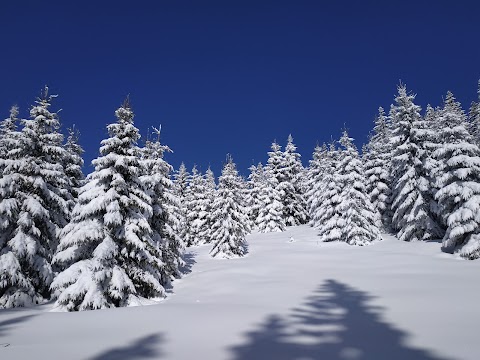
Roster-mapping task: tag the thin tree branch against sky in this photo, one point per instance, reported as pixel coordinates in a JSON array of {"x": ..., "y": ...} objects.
[{"x": 231, "y": 76}]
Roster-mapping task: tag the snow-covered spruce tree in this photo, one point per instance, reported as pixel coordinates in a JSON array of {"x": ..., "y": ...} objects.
[
  {"x": 356, "y": 215},
  {"x": 315, "y": 174},
  {"x": 181, "y": 178},
  {"x": 270, "y": 210},
  {"x": 327, "y": 216},
  {"x": 107, "y": 253},
  {"x": 210, "y": 194},
  {"x": 458, "y": 182},
  {"x": 255, "y": 180},
  {"x": 290, "y": 187},
  {"x": 229, "y": 217},
  {"x": 8, "y": 129},
  {"x": 377, "y": 160},
  {"x": 412, "y": 216},
  {"x": 198, "y": 207},
  {"x": 73, "y": 164},
  {"x": 33, "y": 206},
  {"x": 156, "y": 179},
  {"x": 474, "y": 117}
]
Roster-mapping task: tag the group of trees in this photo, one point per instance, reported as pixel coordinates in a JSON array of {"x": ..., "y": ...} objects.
[
  {"x": 109, "y": 239},
  {"x": 117, "y": 235}
]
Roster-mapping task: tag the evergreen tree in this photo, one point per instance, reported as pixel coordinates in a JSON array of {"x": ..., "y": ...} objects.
[
  {"x": 410, "y": 186},
  {"x": 156, "y": 179},
  {"x": 253, "y": 199},
  {"x": 210, "y": 194},
  {"x": 270, "y": 209},
  {"x": 290, "y": 187},
  {"x": 8, "y": 133},
  {"x": 181, "y": 178},
  {"x": 356, "y": 216},
  {"x": 198, "y": 207},
  {"x": 33, "y": 206},
  {"x": 458, "y": 182},
  {"x": 327, "y": 215},
  {"x": 73, "y": 164},
  {"x": 377, "y": 159},
  {"x": 107, "y": 253},
  {"x": 314, "y": 176},
  {"x": 474, "y": 117},
  {"x": 229, "y": 217}
]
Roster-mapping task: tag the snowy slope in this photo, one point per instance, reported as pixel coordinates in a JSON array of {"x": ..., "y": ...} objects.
[{"x": 285, "y": 300}]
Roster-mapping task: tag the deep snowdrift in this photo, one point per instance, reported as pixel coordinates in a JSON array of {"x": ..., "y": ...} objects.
[{"x": 297, "y": 299}]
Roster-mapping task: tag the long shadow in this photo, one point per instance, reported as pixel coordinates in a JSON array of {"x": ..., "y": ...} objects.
[
  {"x": 336, "y": 322},
  {"x": 6, "y": 325},
  {"x": 189, "y": 258},
  {"x": 143, "y": 348}
]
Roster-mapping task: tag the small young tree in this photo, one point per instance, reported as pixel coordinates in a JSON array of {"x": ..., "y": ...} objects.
[
  {"x": 230, "y": 221},
  {"x": 107, "y": 253}
]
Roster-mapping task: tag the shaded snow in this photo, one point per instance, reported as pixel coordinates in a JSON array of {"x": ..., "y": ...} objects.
[{"x": 285, "y": 300}]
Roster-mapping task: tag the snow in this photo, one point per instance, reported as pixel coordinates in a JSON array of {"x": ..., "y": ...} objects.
[{"x": 284, "y": 300}]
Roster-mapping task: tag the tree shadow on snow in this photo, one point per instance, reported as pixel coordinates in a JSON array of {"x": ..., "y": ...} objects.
[
  {"x": 336, "y": 322},
  {"x": 143, "y": 348},
  {"x": 189, "y": 258},
  {"x": 11, "y": 323}
]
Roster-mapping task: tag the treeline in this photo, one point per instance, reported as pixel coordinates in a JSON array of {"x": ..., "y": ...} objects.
[{"x": 118, "y": 235}]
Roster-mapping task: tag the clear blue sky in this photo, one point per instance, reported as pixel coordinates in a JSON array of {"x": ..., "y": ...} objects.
[{"x": 231, "y": 76}]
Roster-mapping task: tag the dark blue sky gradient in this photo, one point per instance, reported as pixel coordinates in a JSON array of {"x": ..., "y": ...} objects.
[{"x": 231, "y": 76}]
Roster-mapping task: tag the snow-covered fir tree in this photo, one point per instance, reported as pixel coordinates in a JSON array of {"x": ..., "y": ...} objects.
[
  {"x": 255, "y": 180},
  {"x": 327, "y": 215},
  {"x": 198, "y": 208},
  {"x": 181, "y": 178},
  {"x": 8, "y": 131},
  {"x": 33, "y": 206},
  {"x": 377, "y": 160},
  {"x": 411, "y": 206},
  {"x": 156, "y": 178},
  {"x": 108, "y": 255},
  {"x": 290, "y": 187},
  {"x": 229, "y": 216},
  {"x": 210, "y": 194},
  {"x": 270, "y": 209},
  {"x": 356, "y": 216},
  {"x": 474, "y": 117},
  {"x": 458, "y": 182},
  {"x": 315, "y": 174},
  {"x": 73, "y": 164}
]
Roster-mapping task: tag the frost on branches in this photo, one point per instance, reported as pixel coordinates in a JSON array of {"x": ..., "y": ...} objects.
[
  {"x": 458, "y": 182},
  {"x": 33, "y": 206},
  {"x": 229, "y": 217},
  {"x": 108, "y": 253}
]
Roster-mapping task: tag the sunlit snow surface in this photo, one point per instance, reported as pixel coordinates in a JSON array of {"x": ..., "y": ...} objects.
[{"x": 298, "y": 299}]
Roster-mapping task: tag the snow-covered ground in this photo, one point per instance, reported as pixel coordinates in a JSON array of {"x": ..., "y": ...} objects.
[{"x": 285, "y": 300}]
